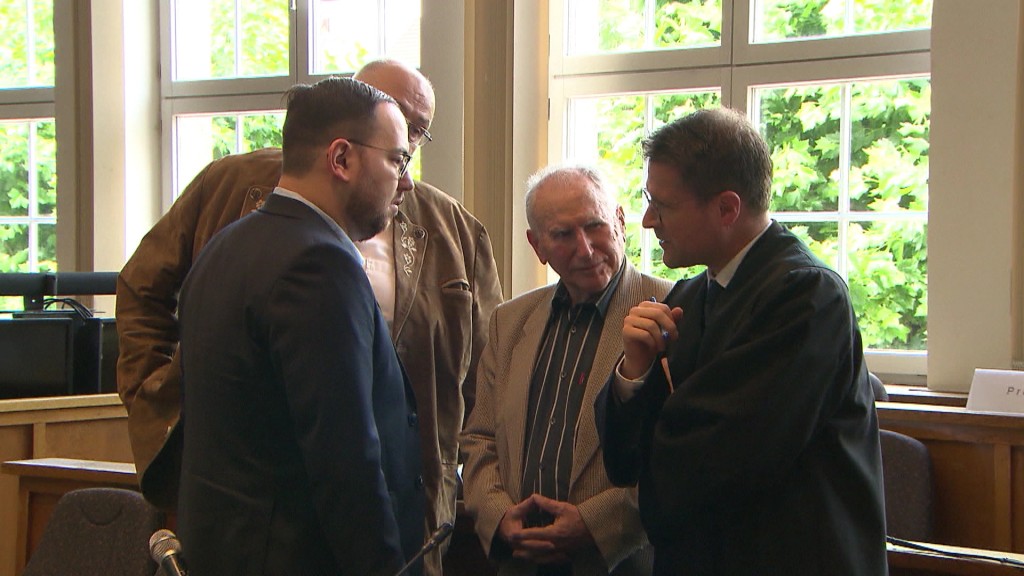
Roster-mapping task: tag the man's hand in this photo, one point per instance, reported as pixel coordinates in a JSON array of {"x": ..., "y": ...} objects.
[
  {"x": 554, "y": 543},
  {"x": 646, "y": 332}
]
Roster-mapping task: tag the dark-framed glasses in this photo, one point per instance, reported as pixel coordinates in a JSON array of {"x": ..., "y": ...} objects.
[
  {"x": 418, "y": 135},
  {"x": 403, "y": 164}
]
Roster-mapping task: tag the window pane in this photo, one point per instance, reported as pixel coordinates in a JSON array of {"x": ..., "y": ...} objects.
[
  {"x": 890, "y": 125},
  {"x": 348, "y": 34},
  {"x": 45, "y": 163},
  {"x": 47, "y": 248},
  {"x": 26, "y": 55},
  {"x": 596, "y": 26},
  {"x": 801, "y": 126},
  {"x": 202, "y": 138},
  {"x": 14, "y": 148},
  {"x": 798, "y": 19},
  {"x": 230, "y": 38},
  {"x": 14, "y": 248},
  {"x": 888, "y": 278}
]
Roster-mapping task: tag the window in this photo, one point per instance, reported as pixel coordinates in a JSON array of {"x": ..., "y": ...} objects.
[
  {"x": 840, "y": 91},
  {"x": 233, "y": 60},
  {"x": 28, "y": 165}
]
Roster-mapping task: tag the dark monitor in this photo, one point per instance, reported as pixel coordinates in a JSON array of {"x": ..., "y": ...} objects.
[{"x": 36, "y": 357}]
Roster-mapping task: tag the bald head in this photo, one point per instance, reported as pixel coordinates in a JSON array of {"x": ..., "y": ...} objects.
[{"x": 412, "y": 90}]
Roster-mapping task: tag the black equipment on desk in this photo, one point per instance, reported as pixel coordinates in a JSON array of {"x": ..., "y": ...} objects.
[{"x": 56, "y": 347}]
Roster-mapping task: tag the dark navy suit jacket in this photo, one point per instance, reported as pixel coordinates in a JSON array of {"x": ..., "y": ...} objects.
[
  {"x": 301, "y": 450},
  {"x": 765, "y": 459}
]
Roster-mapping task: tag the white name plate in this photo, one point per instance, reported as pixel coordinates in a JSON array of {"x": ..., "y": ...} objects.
[{"x": 997, "y": 391}]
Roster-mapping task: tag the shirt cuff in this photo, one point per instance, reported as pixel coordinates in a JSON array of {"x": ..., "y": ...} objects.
[{"x": 626, "y": 388}]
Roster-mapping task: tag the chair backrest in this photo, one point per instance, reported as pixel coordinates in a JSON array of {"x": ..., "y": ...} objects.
[
  {"x": 97, "y": 531},
  {"x": 878, "y": 388},
  {"x": 907, "y": 469}
]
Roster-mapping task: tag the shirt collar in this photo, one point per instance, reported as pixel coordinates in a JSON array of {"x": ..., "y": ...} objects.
[
  {"x": 561, "y": 298},
  {"x": 725, "y": 275},
  {"x": 330, "y": 221}
]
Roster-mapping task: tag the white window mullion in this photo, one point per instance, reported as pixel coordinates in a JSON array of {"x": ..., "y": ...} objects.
[{"x": 845, "y": 163}]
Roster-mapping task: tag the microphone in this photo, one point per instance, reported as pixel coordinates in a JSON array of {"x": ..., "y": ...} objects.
[
  {"x": 165, "y": 549},
  {"x": 439, "y": 536}
]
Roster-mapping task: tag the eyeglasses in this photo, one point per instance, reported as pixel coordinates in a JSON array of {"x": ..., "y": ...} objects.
[
  {"x": 418, "y": 135},
  {"x": 653, "y": 204},
  {"x": 403, "y": 164}
]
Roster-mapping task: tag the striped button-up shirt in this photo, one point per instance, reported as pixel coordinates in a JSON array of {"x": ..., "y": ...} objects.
[{"x": 559, "y": 379}]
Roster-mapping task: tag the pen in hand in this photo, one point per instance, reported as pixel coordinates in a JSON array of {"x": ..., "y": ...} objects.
[{"x": 664, "y": 359}]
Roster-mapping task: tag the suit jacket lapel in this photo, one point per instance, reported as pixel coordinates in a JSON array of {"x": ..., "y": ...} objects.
[
  {"x": 410, "y": 244},
  {"x": 520, "y": 373}
]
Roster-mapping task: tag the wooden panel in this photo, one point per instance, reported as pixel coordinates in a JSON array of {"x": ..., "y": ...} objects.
[
  {"x": 963, "y": 480},
  {"x": 1017, "y": 494},
  {"x": 978, "y": 471},
  {"x": 91, "y": 439},
  {"x": 15, "y": 443},
  {"x": 91, "y": 427}
]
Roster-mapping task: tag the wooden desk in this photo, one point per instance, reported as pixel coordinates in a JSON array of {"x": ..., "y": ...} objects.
[
  {"x": 87, "y": 427},
  {"x": 977, "y": 468},
  {"x": 922, "y": 395}
]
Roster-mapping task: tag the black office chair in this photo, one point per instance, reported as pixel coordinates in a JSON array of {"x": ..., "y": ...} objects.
[
  {"x": 878, "y": 388},
  {"x": 907, "y": 471},
  {"x": 97, "y": 532}
]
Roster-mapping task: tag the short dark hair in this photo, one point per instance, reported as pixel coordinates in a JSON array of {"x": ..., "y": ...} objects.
[
  {"x": 317, "y": 114},
  {"x": 716, "y": 149}
]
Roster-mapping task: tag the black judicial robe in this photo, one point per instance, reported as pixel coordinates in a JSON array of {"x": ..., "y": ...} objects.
[{"x": 765, "y": 459}]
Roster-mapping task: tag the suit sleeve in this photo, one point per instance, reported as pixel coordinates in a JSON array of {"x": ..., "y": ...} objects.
[
  {"x": 321, "y": 328},
  {"x": 147, "y": 302},
  {"x": 741, "y": 421},
  {"x": 486, "y": 297},
  {"x": 486, "y": 496}
]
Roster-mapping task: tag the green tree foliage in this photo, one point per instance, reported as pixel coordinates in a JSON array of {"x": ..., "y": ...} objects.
[
  {"x": 868, "y": 222},
  {"x": 791, "y": 19},
  {"x": 260, "y": 35},
  {"x": 26, "y": 54}
]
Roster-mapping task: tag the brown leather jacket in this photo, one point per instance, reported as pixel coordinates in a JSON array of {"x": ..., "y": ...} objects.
[{"x": 446, "y": 288}]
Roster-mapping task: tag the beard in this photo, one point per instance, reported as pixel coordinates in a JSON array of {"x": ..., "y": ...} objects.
[{"x": 370, "y": 211}]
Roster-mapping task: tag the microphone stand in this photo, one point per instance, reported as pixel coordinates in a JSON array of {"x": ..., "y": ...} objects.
[{"x": 439, "y": 536}]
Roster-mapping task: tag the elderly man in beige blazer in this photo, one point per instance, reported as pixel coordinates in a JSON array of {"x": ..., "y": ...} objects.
[{"x": 534, "y": 473}]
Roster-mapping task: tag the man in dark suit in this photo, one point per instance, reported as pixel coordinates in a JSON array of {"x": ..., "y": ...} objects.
[
  {"x": 756, "y": 448},
  {"x": 301, "y": 448},
  {"x": 432, "y": 271}
]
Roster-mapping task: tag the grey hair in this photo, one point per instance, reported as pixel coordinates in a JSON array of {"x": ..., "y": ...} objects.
[{"x": 563, "y": 173}]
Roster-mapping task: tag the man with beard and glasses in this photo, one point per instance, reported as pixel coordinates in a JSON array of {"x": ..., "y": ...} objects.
[
  {"x": 432, "y": 270},
  {"x": 301, "y": 452}
]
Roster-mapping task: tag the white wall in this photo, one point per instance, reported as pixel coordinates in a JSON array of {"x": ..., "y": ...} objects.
[{"x": 976, "y": 148}]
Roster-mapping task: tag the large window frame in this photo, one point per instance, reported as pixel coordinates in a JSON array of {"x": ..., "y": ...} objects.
[
  {"x": 441, "y": 163},
  {"x": 737, "y": 67}
]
